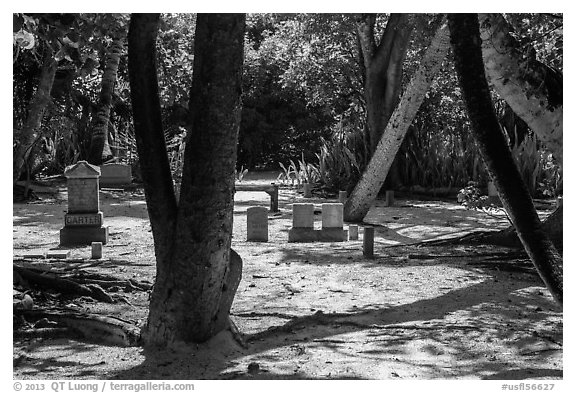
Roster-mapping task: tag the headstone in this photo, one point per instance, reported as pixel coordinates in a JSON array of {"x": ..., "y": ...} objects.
[
  {"x": 332, "y": 215},
  {"x": 303, "y": 215},
  {"x": 96, "y": 250},
  {"x": 368, "y": 242},
  {"x": 83, "y": 221},
  {"x": 33, "y": 254},
  {"x": 302, "y": 223},
  {"x": 389, "y": 198},
  {"x": 307, "y": 189},
  {"x": 257, "y": 224},
  {"x": 115, "y": 174},
  {"x": 332, "y": 224},
  {"x": 342, "y": 196},
  {"x": 58, "y": 254},
  {"x": 559, "y": 201},
  {"x": 353, "y": 231}
]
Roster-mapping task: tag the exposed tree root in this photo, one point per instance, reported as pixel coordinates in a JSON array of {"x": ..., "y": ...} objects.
[
  {"x": 96, "y": 328},
  {"x": 28, "y": 277}
]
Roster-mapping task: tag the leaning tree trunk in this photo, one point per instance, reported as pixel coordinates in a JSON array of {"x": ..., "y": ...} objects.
[
  {"x": 38, "y": 104},
  {"x": 197, "y": 272},
  {"x": 99, "y": 146},
  {"x": 374, "y": 175},
  {"x": 383, "y": 70},
  {"x": 533, "y": 90},
  {"x": 466, "y": 43}
]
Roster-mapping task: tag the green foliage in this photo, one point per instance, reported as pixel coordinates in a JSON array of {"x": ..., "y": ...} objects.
[
  {"x": 342, "y": 159},
  {"x": 298, "y": 173}
]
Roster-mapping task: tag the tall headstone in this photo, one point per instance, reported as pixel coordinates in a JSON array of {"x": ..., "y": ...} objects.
[
  {"x": 368, "y": 242},
  {"x": 83, "y": 221},
  {"x": 257, "y": 224}
]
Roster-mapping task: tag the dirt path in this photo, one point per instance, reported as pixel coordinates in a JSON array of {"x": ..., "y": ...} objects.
[{"x": 320, "y": 310}]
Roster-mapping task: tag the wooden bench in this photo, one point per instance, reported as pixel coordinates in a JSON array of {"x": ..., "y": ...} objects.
[{"x": 270, "y": 189}]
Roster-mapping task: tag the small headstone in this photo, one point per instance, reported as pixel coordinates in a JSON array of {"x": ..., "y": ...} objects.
[
  {"x": 389, "y": 198},
  {"x": 33, "y": 254},
  {"x": 96, "y": 250},
  {"x": 58, "y": 254},
  {"x": 353, "y": 232},
  {"x": 307, "y": 190},
  {"x": 332, "y": 215},
  {"x": 342, "y": 196},
  {"x": 115, "y": 174},
  {"x": 83, "y": 221},
  {"x": 368, "y": 240},
  {"x": 559, "y": 201},
  {"x": 257, "y": 224},
  {"x": 303, "y": 215}
]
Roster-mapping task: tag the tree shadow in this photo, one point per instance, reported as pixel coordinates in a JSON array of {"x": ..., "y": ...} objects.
[{"x": 391, "y": 331}]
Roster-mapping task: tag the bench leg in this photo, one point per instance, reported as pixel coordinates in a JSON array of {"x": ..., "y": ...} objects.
[{"x": 273, "y": 200}]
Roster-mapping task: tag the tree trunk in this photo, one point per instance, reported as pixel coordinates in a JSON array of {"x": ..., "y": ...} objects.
[
  {"x": 99, "y": 147},
  {"x": 197, "y": 272},
  {"x": 466, "y": 43},
  {"x": 383, "y": 70},
  {"x": 533, "y": 90},
  {"x": 38, "y": 104},
  {"x": 374, "y": 175}
]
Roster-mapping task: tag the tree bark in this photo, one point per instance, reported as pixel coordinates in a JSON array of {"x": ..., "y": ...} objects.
[
  {"x": 373, "y": 177},
  {"x": 38, "y": 104},
  {"x": 533, "y": 90},
  {"x": 99, "y": 146},
  {"x": 197, "y": 272},
  {"x": 383, "y": 70},
  {"x": 466, "y": 43}
]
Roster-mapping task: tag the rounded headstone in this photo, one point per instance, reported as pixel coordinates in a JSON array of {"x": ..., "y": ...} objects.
[
  {"x": 257, "y": 224},
  {"x": 342, "y": 196}
]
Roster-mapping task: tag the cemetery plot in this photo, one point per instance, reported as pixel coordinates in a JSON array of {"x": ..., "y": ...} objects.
[{"x": 305, "y": 310}]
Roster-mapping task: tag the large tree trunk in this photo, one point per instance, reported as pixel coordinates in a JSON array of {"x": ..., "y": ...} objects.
[
  {"x": 533, "y": 90},
  {"x": 377, "y": 169},
  {"x": 38, "y": 104},
  {"x": 99, "y": 146},
  {"x": 466, "y": 43},
  {"x": 382, "y": 69},
  {"x": 197, "y": 272}
]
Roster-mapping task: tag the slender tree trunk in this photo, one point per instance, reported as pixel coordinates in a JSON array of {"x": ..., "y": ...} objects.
[
  {"x": 533, "y": 90},
  {"x": 38, "y": 104},
  {"x": 374, "y": 175},
  {"x": 99, "y": 147},
  {"x": 383, "y": 70},
  {"x": 466, "y": 43},
  {"x": 197, "y": 272}
]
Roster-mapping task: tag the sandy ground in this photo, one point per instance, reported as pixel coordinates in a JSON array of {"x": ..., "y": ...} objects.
[{"x": 318, "y": 310}]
